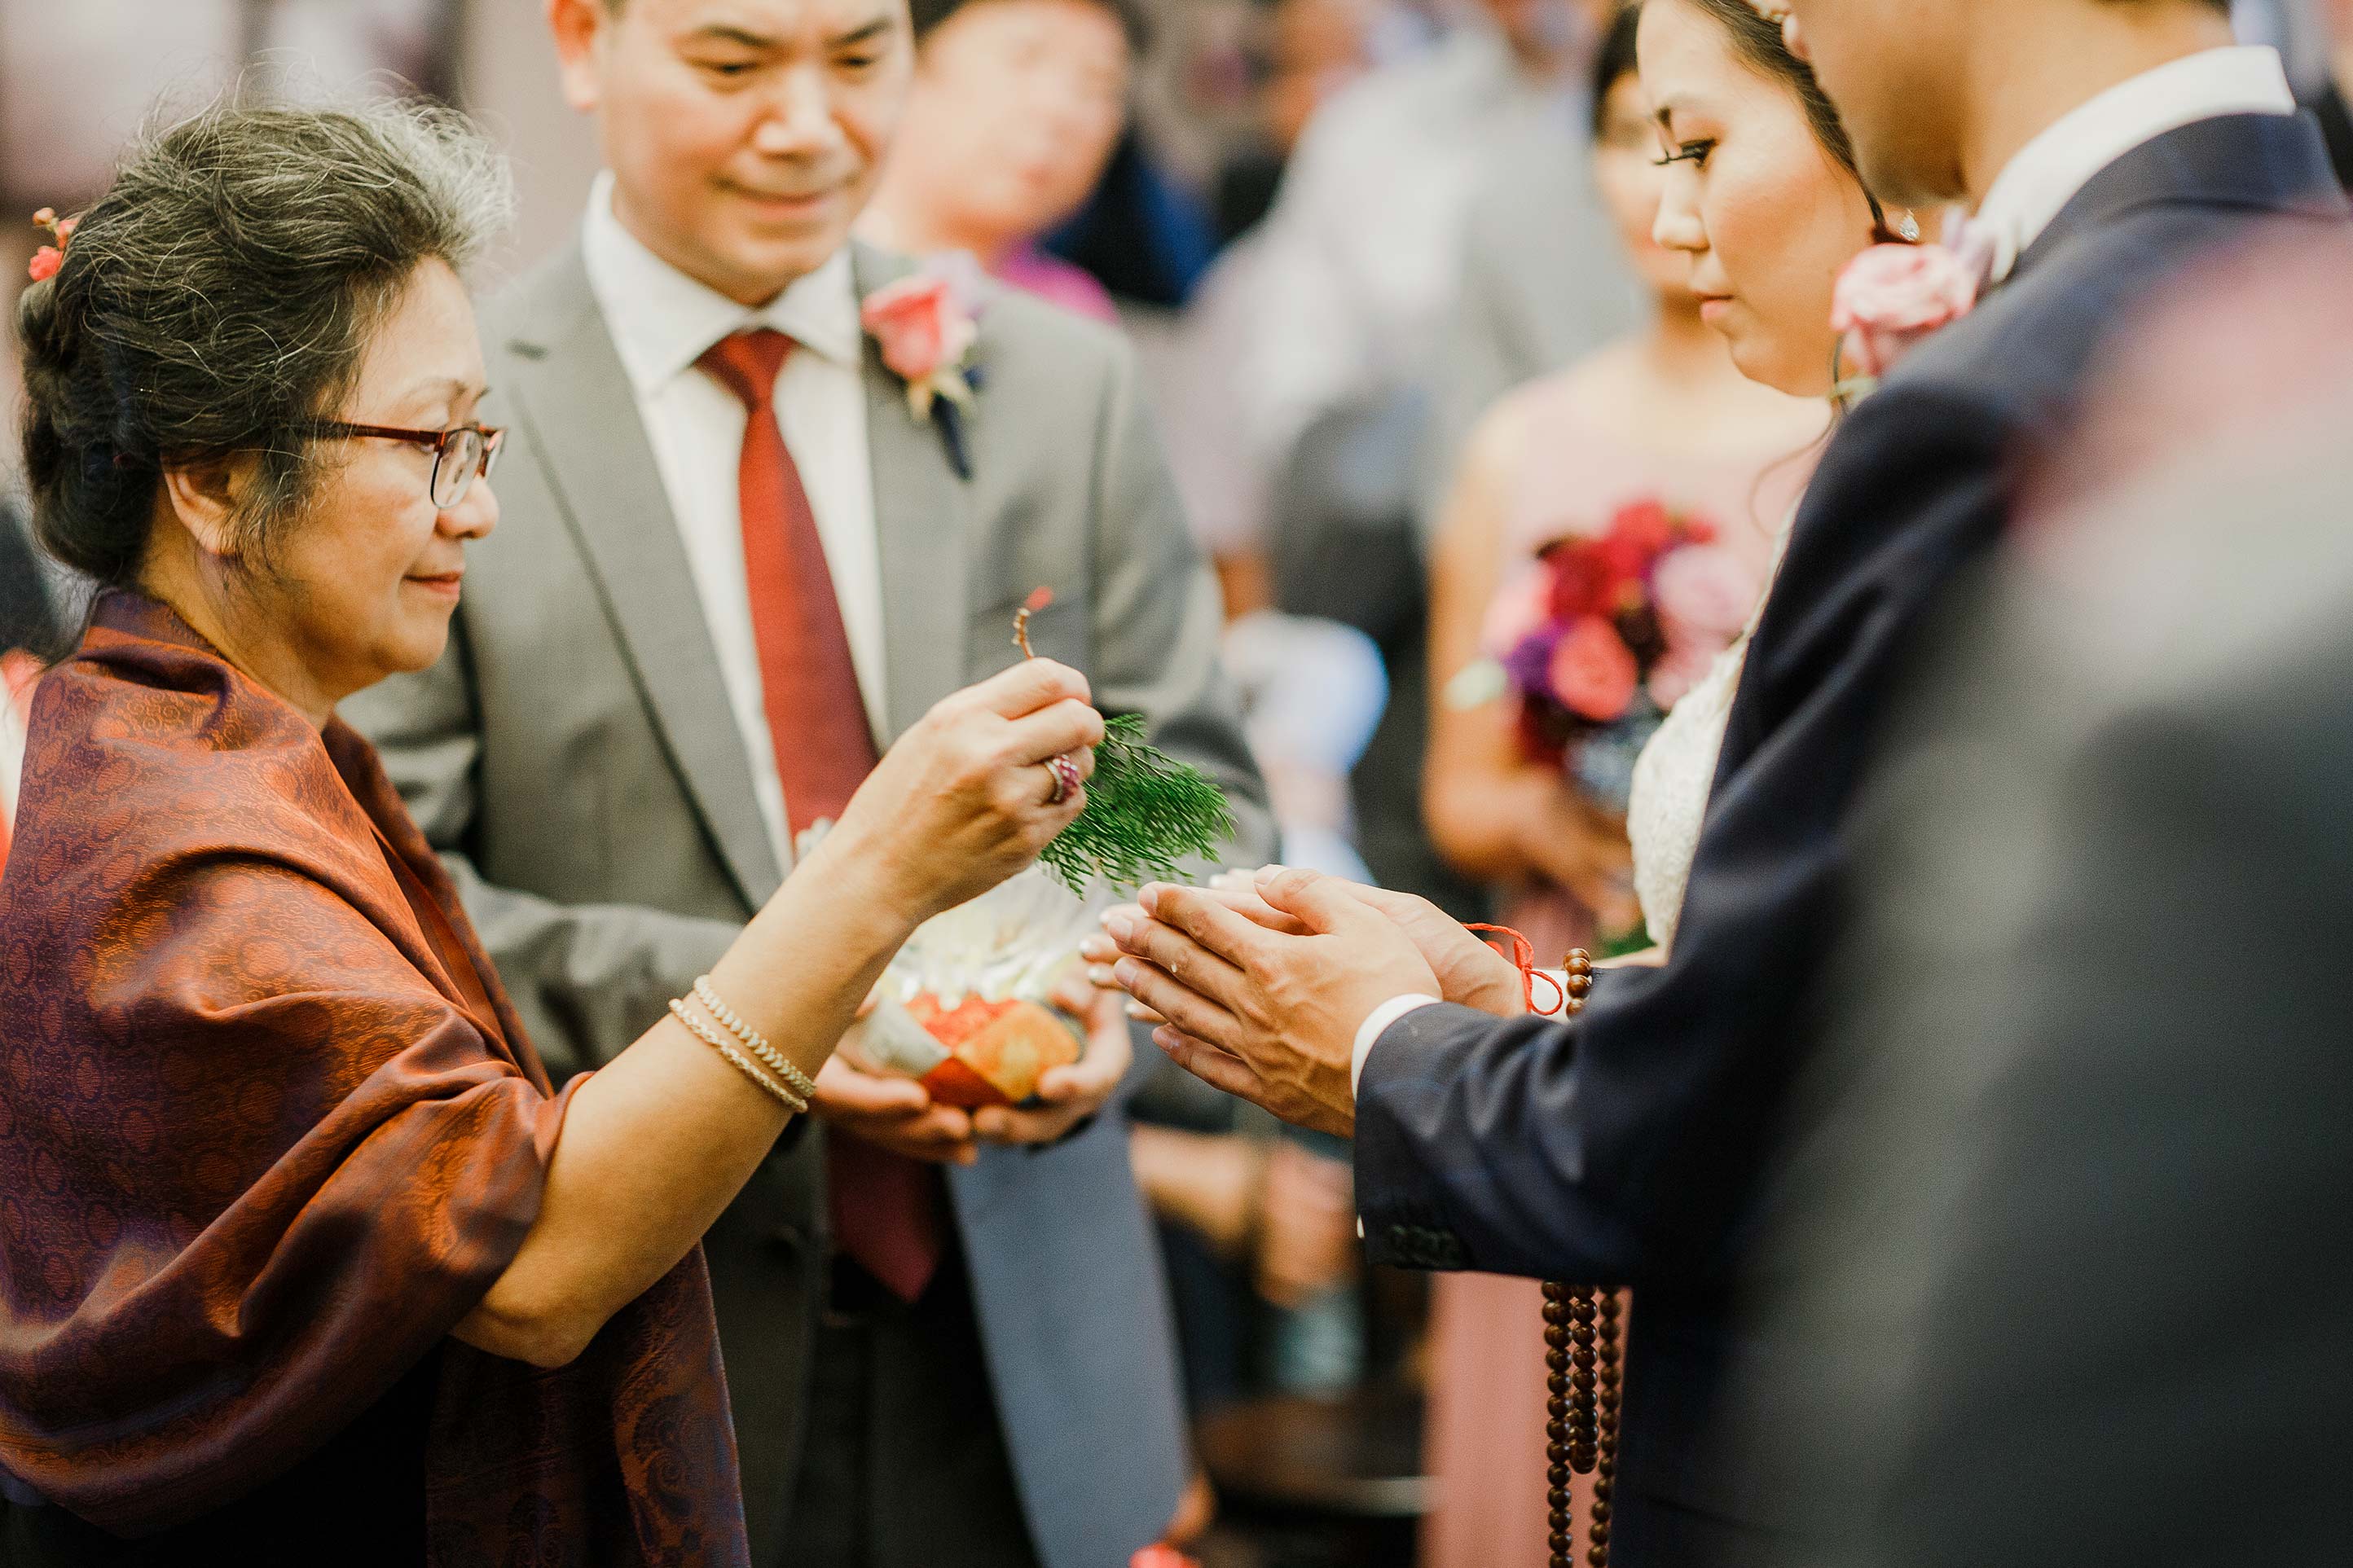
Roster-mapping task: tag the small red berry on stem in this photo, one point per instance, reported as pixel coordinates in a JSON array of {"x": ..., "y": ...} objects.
[{"x": 1038, "y": 600}]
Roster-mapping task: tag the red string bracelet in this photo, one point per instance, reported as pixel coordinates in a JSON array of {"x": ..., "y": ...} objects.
[{"x": 1523, "y": 959}]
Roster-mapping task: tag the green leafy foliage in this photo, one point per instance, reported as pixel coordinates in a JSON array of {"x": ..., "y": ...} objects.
[{"x": 1145, "y": 811}]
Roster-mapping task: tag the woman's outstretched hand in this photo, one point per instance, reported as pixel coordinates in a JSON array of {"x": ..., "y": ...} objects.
[
  {"x": 1270, "y": 1016},
  {"x": 966, "y": 798}
]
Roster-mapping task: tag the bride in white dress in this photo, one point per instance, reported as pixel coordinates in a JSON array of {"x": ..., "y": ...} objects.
[
  {"x": 1673, "y": 779},
  {"x": 1659, "y": 416}
]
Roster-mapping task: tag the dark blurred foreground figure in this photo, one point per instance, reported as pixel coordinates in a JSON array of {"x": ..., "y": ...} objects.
[{"x": 2067, "y": 1247}]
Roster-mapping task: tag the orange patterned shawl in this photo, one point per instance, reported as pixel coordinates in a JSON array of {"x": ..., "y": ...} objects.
[{"x": 261, "y": 1149}]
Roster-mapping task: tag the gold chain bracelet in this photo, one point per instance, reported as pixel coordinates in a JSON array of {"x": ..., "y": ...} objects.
[
  {"x": 710, "y": 1036},
  {"x": 753, "y": 1039}
]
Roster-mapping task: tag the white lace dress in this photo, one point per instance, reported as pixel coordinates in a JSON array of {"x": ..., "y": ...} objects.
[{"x": 1675, "y": 776}]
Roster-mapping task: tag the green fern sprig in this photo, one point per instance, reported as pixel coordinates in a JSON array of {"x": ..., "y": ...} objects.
[
  {"x": 1144, "y": 809},
  {"x": 1144, "y": 813}
]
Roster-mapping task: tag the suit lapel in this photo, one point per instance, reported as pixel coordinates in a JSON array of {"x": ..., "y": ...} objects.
[
  {"x": 2263, "y": 162},
  {"x": 575, "y": 398},
  {"x": 922, "y": 528}
]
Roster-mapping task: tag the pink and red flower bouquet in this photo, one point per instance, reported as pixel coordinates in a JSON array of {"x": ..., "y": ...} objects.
[{"x": 1606, "y": 632}]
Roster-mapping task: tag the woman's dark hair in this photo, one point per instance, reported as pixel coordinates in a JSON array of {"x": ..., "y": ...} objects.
[
  {"x": 1756, "y": 38},
  {"x": 1615, "y": 61},
  {"x": 929, "y": 14},
  {"x": 221, "y": 294}
]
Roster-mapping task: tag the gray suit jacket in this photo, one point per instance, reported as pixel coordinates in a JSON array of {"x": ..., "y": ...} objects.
[
  {"x": 575, "y": 758},
  {"x": 2064, "y": 1248}
]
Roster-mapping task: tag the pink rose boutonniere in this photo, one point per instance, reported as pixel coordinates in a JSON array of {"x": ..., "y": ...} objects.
[
  {"x": 1889, "y": 300},
  {"x": 925, "y": 333}
]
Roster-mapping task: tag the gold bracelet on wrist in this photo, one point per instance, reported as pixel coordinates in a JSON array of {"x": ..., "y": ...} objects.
[
  {"x": 754, "y": 1041},
  {"x": 710, "y": 1036}
]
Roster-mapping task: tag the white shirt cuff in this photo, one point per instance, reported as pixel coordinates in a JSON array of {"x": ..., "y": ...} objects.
[{"x": 1376, "y": 1025}]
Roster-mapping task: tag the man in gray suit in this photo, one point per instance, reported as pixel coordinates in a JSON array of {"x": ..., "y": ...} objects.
[
  {"x": 684, "y": 645},
  {"x": 2064, "y": 1248}
]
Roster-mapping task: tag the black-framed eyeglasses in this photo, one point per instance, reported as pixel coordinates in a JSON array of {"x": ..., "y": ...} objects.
[{"x": 459, "y": 454}]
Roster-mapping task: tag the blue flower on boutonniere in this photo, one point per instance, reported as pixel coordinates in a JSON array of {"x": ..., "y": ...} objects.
[{"x": 926, "y": 335}]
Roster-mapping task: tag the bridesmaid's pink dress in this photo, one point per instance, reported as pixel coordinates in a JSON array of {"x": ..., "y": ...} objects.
[{"x": 1485, "y": 1441}]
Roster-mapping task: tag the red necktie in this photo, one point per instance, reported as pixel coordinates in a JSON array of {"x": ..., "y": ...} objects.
[{"x": 885, "y": 1207}]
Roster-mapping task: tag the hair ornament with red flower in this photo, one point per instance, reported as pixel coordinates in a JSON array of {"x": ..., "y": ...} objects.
[{"x": 51, "y": 257}]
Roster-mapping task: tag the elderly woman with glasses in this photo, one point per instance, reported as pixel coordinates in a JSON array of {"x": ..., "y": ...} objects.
[{"x": 302, "y": 1259}]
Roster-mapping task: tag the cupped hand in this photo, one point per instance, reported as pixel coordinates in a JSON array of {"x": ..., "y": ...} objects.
[
  {"x": 1270, "y": 1016},
  {"x": 1072, "y": 1093},
  {"x": 1469, "y": 971},
  {"x": 964, "y": 798},
  {"x": 895, "y": 1113}
]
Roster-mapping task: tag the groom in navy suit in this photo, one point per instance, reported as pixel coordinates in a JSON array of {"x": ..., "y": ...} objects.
[{"x": 2106, "y": 145}]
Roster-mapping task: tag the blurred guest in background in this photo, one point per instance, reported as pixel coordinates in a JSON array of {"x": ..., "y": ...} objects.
[
  {"x": 28, "y": 631},
  {"x": 1311, "y": 49},
  {"x": 309, "y": 1260},
  {"x": 1661, "y": 417},
  {"x": 1016, "y": 107},
  {"x": 1365, "y": 242},
  {"x": 1544, "y": 280},
  {"x": 1334, "y": 346},
  {"x": 1317, "y": 48},
  {"x": 1337, "y": 300},
  {"x": 738, "y": 559},
  {"x": 2075, "y": 1240}
]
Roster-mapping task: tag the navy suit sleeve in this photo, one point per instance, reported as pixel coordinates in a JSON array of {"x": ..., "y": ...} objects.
[{"x": 1626, "y": 1147}]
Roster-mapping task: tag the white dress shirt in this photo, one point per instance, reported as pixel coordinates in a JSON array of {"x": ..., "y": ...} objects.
[
  {"x": 662, "y": 321},
  {"x": 2032, "y": 187},
  {"x": 2049, "y": 170}
]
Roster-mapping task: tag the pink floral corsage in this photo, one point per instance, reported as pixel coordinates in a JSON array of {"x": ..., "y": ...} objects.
[{"x": 1889, "y": 300}]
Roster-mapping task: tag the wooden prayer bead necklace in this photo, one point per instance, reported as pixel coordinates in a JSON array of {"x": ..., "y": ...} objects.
[{"x": 1582, "y": 1381}]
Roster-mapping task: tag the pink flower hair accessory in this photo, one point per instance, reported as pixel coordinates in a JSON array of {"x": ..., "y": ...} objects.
[
  {"x": 1891, "y": 299},
  {"x": 51, "y": 257}
]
